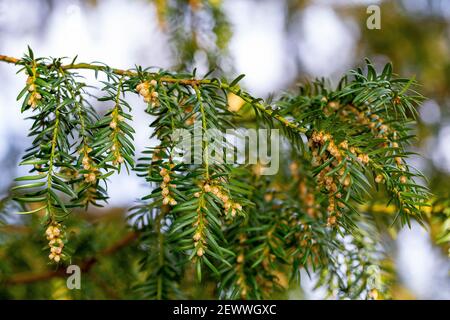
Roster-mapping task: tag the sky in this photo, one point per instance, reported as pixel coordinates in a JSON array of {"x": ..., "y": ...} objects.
[{"x": 123, "y": 33}]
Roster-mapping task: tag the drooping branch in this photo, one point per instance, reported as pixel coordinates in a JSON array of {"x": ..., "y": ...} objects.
[{"x": 355, "y": 142}]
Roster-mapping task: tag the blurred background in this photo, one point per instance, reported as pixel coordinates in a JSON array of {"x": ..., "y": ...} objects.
[{"x": 277, "y": 44}]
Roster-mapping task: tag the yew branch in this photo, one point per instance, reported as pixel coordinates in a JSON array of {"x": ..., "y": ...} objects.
[{"x": 191, "y": 82}]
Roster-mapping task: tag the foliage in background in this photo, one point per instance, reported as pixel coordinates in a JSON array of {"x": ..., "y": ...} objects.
[{"x": 199, "y": 30}]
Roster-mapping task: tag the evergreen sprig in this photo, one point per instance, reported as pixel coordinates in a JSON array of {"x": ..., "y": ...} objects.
[{"x": 250, "y": 234}]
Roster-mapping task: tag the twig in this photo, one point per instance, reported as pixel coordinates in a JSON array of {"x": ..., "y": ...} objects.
[
  {"x": 191, "y": 82},
  {"x": 85, "y": 266},
  {"x": 117, "y": 71}
]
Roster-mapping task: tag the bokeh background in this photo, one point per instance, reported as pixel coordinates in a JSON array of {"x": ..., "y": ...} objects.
[{"x": 277, "y": 44}]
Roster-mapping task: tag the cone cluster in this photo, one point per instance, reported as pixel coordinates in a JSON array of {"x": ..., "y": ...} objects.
[
  {"x": 230, "y": 207},
  {"x": 89, "y": 165},
  {"x": 114, "y": 125},
  {"x": 307, "y": 196},
  {"x": 56, "y": 244},
  {"x": 167, "y": 198},
  {"x": 190, "y": 120},
  {"x": 380, "y": 129},
  {"x": 199, "y": 236},
  {"x": 35, "y": 96},
  {"x": 147, "y": 90},
  {"x": 240, "y": 271},
  {"x": 365, "y": 118},
  {"x": 339, "y": 180}
]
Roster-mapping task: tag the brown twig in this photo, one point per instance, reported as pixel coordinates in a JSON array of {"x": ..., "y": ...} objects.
[
  {"x": 14, "y": 229},
  {"x": 85, "y": 266},
  {"x": 117, "y": 71},
  {"x": 191, "y": 82},
  {"x": 9, "y": 59}
]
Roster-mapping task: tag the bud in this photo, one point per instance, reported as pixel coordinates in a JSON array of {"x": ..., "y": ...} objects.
[
  {"x": 55, "y": 250},
  {"x": 140, "y": 86},
  {"x": 197, "y": 236},
  {"x": 215, "y": 190},
  {"x": 166, "y": 179},
  {"x": 85, "y": 160},
  {"x": 373, "y": 294},
  {"x": 347, "y": 181},
  {"x": 49, "y": 231},
  {"x": 56, "y": 231},
  {"x": 237, "y": 206},
  {"x": 268, "y": 197},
  {"x": 331, "y": 220},
  {"x": 379, "y": 178},
  {"x": 144, "y": 92},
  {"x": 91, "y": 177}
]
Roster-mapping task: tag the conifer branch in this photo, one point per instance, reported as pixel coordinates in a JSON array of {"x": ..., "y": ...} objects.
[
  {"x": 191, "y": 82},
  {"x": 250, "y": 232}
]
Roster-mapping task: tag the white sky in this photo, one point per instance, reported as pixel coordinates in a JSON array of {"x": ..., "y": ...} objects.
[{"x": 123, "y": 32}]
